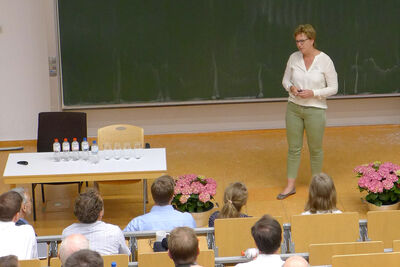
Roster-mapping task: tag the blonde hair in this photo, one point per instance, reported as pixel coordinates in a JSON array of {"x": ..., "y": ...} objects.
[
  {"x": 321, "y": 194},
  {"x": 308, "y": 30},
  {"x": 235, "y": 197}
]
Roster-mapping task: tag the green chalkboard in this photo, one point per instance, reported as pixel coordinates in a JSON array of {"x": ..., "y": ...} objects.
[{"x": 117, "y": 52}]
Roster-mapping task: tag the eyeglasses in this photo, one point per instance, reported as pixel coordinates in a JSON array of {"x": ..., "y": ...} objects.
[{"x": 301, "y": 41}]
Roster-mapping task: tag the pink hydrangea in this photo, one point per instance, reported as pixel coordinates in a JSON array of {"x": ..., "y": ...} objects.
[
  {"x": 377, "y": 177},
  {"x": 184, "y": 198},
  {"x": 204, "y": 197}
]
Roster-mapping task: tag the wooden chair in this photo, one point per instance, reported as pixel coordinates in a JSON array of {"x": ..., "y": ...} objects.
[
  {"x": 205, "y": 258},
  {"x": 366, "y": 260},
  {"x": 122, "y": 133},
  {"x": 29, "y": 263},
  {"x": 323, "y": 228},
  {"x": 396, "y": 245},
  {"x": 321, "y": 254},
  {"x": 233, "y": 235},
  {"x": 55, "y": 262},
  {"x": 383, "y": 225},
  {"x": 121, "y": 260}
]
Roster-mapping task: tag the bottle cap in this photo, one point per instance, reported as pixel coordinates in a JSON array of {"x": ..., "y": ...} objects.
[
  {"x": 74, "y": 139},
  {"x": 84, "y": 139},
  {"x": 65, "y": 139},
  {"x": 55, "y": 139},
  {"x": 94, "y": 142}
]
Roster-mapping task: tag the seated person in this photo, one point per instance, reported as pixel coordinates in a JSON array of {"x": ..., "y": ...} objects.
[
  {"x": 321, "y": 196},
  {"x": 84, "y": 258},
  {"x": 296, "y": 261},
  {"x": 26, "y": 208},
  {"x": 235, "y": 197},
  {"x": 9, "y": 261},
  {"x": 183, "y": 247},
  {"x": 15, "y": 240},
  {"x": 71, "y": 244},
  {"x": 106, "y": 239},
  {"x": 267, "y": 234},
  {"x": 162, "y": 215}
]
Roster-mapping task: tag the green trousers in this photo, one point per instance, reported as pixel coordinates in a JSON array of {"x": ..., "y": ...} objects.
[{"x": 312, "y": 120}]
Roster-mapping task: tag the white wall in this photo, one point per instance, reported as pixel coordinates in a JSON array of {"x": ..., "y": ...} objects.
[
  {"x": 24, "y": 82},
  {"x": 155, "y": 120}
]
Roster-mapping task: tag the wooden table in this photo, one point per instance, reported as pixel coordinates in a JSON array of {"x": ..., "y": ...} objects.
[{"x": 42, "y": 168}]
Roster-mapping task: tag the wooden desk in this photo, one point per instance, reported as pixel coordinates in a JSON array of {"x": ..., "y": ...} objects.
[
  {"x": 145, "y": 245},
  {"x": 42, "y": 168}
]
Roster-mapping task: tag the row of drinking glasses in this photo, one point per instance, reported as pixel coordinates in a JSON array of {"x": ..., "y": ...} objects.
[{"x": 125, "y": 151}]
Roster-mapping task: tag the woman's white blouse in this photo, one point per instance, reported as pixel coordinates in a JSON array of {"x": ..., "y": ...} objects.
[{"x": 321, "y": 77}]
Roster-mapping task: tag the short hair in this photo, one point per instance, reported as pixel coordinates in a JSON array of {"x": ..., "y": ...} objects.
[
  {"x": 235, "y": 197},
  {"x": 84, "y": 258},
  {"x": 10, "y": 205},
  {"x": 267, "y": 233},
  {"x": 9, "y": 261},
  {"x": 88, "y": 206},
  {"x": 308, "y": 30},
  {"x": 162, "y": 190},
  {"x": 21, "y": 192},
  {"x": 321, "y": 194},
  {"x": 183, "y": 245},
  {"x": 71, "y": 244}
]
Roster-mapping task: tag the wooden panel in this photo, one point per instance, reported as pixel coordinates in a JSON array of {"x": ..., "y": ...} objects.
[
  {"x": 396, "y": 245},
  {"x": 145, "y": 245},
  {"x": 383, "y": 225},
  {"x": 323, "y": 228},
  {"x": 121, "y": 260},
  {"x": 321, "y": 254},
  {"x": 367, "y": 260},
  {"x": 55, "y": 262},
  {"x": 205, "y": 258},
  {"x": 29, "y": 263}
]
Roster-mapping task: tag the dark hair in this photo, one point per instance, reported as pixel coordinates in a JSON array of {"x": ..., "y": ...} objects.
[
  {"x": 183, "y": 245},
  {"x": 84, "y": 258},
  {"x": 267, "y": 234},
  {"x": 9, "y": 261},
  {"x": 235, "y": 197},
  {"x": 10, "y": 205},
  {"x": 88, "y": 206},
  {"x": 162, "y": 190}
]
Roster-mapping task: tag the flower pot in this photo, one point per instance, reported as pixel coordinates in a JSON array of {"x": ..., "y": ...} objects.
[
  {"x": 201, "y": 218},
  {"x": 373, "y": 207}
]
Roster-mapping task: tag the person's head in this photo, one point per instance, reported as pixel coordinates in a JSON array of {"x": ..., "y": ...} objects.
[
  {"x": 84, "y": 258},
  {"x": 26, "y": 208},
  {"x": 296, "y": 261},
  {"x": 321, "y": 194},
  {"x": 162, "y": 190},
  {"x": 89, "y": 206},
  {"x": 183, "y": 245},
  {"x": 10, "y": 206},
  {"x": 267, "y": 233},
  {"x": 235, "y": 197},
  {"x": 9, "y": 261},
  {"x": 305, "y": 36},
  {"x": 71, "y": 244}
]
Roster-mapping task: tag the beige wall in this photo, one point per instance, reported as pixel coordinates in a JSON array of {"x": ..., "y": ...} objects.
[{"x": 45, "y": 92}]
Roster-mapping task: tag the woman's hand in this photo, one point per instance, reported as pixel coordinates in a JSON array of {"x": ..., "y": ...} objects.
[
  {"x": 305, "y": 93},
  {"x": 294, "y": 90}
]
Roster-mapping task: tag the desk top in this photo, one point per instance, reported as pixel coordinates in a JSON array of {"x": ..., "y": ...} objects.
[{"x": 41, "y": 167}]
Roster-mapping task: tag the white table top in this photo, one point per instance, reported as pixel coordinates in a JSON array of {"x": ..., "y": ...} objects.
[{"x": 43, "y": 164}]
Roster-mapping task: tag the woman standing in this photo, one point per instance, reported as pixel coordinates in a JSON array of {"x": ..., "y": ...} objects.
[{"x": 309, "y": 78}]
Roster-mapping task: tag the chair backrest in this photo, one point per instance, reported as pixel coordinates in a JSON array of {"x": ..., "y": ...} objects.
[
  {"x": 120, "y": 133},
  {"x": 55, "y": 262},
  {"x": 29, "y": 263},
  {"x": 321, "y": 254},
  {"x": 205, "y": 258},
  {"x": 120, "y": 259},
  {"x": 383, "y": 225},
  {"x": 323, "y": 228},
  {"x": 233, "y": 235},
  {"x": 59, "y": 125},
  {"x": 366, "y": 260},
  {"x": 396, "y": 245}
]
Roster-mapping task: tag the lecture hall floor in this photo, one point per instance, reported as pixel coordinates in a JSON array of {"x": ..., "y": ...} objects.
[{"x": 257, "y": 158}]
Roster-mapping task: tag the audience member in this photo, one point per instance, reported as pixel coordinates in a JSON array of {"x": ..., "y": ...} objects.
[
  {"x": 267, "y": 234},
  {"x": 235, "y": 197},
  {"x": 183, "y": 247},
  {"x": 26, "y": 208},
  {"x": 321, "y": 196},
  {"x": 15, "y": 240},
  {"x": 71, "y": 244},
  {"x": 296, "y": 261},
  {"x": 104, "y": 238},
  {"x": 162, "y": 215},
  {"x": 84, "y": 258},
  {"x": 9, "y": 261}
]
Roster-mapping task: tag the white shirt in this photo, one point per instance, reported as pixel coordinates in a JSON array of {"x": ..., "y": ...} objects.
[
  {"x": 105, "y": 238},
  {"x": 321, "y": 78},
  {"x": 270, "y": 260},
  {"x": 321, "y": 212},
  {"x": 17, "y": 240}
]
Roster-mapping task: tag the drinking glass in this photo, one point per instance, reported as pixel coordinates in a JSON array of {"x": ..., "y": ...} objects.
[
  {"x": 117, "y": 151},
  {"x": 137, "y": 151},
  {"x": 107, "y": 150},
  {"x": 127, "y": 150}
]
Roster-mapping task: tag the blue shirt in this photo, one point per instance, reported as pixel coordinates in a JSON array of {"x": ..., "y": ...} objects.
[{"x": 161, "y": 218}]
